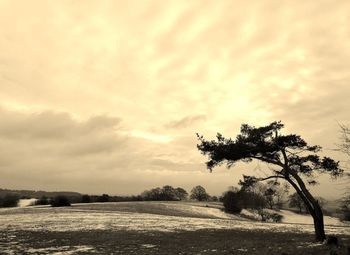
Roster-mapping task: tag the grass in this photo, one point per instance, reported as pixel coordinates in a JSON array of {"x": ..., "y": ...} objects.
[
  {"x": 183, "y": 242},
  {"x": 151, "y": 228},
  {"x": 181, "y": 209}
]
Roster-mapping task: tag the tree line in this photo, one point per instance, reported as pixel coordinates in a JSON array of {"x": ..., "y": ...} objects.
[{"x": 165, "y": 193}]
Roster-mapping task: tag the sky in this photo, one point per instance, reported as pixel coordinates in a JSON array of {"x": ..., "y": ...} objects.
[{"x": 107, "y": 96}]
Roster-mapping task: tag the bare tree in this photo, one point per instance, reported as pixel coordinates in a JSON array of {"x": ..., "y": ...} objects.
[{"x": 344, "y": 146}]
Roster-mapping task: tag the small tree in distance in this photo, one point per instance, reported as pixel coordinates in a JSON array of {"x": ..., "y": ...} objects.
[
  {"x": 293, "y": 160},
  {"x": 104, "y": 198},
  {"x": 296, "y": 202},
  {"x": 181, "y": 193},
  {"x": 199, "y": 193},
  {"x": 9, "y": 200},
  {"x": 59, "y": 201},
  {"x": 345, "y": 139},
  {"x": 85, "y": 199}
]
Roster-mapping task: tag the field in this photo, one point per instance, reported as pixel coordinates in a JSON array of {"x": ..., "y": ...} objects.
[{"x": 155, "y": 228}]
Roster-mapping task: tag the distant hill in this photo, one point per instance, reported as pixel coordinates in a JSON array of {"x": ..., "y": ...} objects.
[{"x": 38, "y": 194}]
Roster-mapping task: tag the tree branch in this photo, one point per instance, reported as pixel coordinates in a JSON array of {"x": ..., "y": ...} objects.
[
  {"x": 271, "y": 177},
  {"x": 302, "y": 196},
  {"x": 274, "y": 162},
  {"x": 284, "y": 157}
]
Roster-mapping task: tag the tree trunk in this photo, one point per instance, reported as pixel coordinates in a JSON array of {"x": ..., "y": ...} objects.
[
  {"x": 313, "y": 207},
  {"x": 319, "y": 224},
  {"x": 319, "y": 230}
]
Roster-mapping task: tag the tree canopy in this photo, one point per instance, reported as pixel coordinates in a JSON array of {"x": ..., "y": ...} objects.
[
  {"x": 199, "y": 193},
  {"x": 268, "y": 145}
]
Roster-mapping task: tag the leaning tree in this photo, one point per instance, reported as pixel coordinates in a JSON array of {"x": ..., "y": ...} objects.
[{"x": 289, "y": 156}]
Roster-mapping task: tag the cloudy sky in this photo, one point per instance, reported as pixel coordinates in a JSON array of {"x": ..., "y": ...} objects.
[{"x": 106, "y": 96}]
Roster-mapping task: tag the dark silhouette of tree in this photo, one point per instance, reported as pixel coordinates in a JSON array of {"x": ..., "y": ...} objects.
[
  {"x": 274, "y": 194},
  {"x": 42, "y": 201},
  {"x": 344, "y": 147},
  {"x": 104, "y": 198},
  {"x": 345, "y": 139},
  {"x": 345, "y": 208},
  {"x": 214, "y": 198},
  {"x": 269, "y": 195},
  {"x": 59, "y": 201},
  {"x": 296, "y": 202},
  {"x": 181, "y": 193},
  {"x": 169, "y": 193},
  {"x": 232, "y": 201},
  {"x": 152, "y": 195},
  {"x": 9, "y": 200},
  {"x": 199, "y": 193},
  {"x": 85, "y": 199},
  {"x": 289, "y": 156}
]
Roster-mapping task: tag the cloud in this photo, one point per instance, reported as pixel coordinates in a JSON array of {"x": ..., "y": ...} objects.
[
  {"x": 165, "y": 68},
  {"x": 185, "y": 121},
  {"x": 53, "y": 150}
]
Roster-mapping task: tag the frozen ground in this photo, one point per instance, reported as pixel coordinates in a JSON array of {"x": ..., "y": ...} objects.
[
  {"x": 26, "y": 202},
  {"x": 65, "y": 219},
  {"x": 134, "y": 217},
  {"x": 292, "y": 217}
]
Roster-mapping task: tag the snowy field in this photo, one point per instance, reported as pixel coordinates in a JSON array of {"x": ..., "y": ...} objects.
[
  {"x": 109, "y": 216},
  {"x": 139, "y": 217}
]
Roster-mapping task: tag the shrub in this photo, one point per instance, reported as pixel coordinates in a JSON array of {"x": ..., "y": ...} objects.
[
  {"x": 232, "y": 202},
  {"x": 345, "y": 211},
  {"x": 9, "y": 200},
  {"x": 214, "y": 198},
  {"x": 346, "y": 215},
  {"x": 42, "y": 201},
  {"x": 276, "y": 217},
  {"x": 252, "y": 200},
  {"x": 85, "y": 199},
  {"x": 103, "y": 198},
  {"x": 269, "y": 217},
  {"x": 59, "y": 201}
]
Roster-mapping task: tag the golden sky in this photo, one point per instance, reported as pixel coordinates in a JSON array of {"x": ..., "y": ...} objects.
[{"x": 106, "y": 96}]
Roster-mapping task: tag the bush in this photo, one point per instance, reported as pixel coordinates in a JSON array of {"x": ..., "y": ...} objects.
[
  {"x": 214, "y": 198},
  {"x": 345, "y": 211},
  {"x": 103, "y": 198},
  {"x": 9, "y": 200},
  {"x": 232, "y": 202},
  {"x": 270, "y": 217},
  {"x": 235, "y": 201},
  {"x": 59, "y": 201},
  {"x": 252, "y": 200},
  {"x": 346, "y": 215},
  {"x": 276, "y": 217},
  {"x": 85, "y": 199},
  {"x": 42, "y": 201}
]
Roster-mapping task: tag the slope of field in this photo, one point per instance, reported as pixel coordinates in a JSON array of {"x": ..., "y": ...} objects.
[
  {"x": 142, "y": 216},
  {"x": 296, "y": 218},
  {"x": 183, "y": 209},
  {"x": 135, "y": 227}
]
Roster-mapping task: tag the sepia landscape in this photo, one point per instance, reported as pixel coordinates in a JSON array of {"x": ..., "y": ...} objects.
[{"x": 175, "y": 127}]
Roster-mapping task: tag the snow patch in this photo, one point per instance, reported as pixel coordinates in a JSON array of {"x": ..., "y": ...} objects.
[{"x": 26, "y": 202}]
